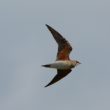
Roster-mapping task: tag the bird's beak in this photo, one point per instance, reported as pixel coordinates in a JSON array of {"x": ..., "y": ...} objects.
[{"x": 80, "y": 63}]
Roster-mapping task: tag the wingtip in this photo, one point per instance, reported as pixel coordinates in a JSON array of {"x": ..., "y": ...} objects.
[
  {"x": 46, "y": 86},
  {"x": 47, "y": 25},
  {"x": 49, "y": 84}
]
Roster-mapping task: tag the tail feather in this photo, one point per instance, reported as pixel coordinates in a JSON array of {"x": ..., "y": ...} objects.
[{"x": 48, "y": 65}]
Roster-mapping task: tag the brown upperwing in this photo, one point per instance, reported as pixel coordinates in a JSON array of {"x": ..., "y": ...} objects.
[
  {"x": 64, "y": 48},
  {"x": 60, "y": 74}
]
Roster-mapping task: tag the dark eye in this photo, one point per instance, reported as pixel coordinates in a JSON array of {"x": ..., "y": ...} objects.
[{"x": 78, "y": 62}]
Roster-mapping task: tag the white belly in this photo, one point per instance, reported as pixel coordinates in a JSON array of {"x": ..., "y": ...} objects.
[{"x": 61, "y": 65}]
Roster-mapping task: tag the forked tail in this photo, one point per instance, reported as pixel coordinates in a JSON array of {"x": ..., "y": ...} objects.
[{"x": 47, "y": 65}]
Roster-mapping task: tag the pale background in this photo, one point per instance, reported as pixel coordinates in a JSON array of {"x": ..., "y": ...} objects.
[{"x": 26, "y": 44}]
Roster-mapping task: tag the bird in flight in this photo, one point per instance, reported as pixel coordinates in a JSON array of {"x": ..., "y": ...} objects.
[{"x": 63, "y": 63}]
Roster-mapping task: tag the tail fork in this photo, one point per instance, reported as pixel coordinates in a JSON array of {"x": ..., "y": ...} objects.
[{"x": 48, "y": 65}]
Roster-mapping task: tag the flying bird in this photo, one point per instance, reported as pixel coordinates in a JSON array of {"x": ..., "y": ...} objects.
[{"x": 63, "y": 63}]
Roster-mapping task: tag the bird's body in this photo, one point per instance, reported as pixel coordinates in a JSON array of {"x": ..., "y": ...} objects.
[{"x": 63, "y": 64}]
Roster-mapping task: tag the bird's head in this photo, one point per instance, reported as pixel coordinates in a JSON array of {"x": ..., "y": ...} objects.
[{"x": 75, "y": 63}]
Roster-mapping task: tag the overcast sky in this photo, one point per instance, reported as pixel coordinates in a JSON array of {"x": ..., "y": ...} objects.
[{"x": 26, "y": 44}]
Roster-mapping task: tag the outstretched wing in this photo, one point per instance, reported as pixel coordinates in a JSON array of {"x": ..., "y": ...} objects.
[
  {"x": 64, "y": 48},
  {"x": 60, "y": 74}
]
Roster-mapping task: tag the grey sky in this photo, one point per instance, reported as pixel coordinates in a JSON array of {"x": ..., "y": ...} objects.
[{"x": 26, "y": 44}]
